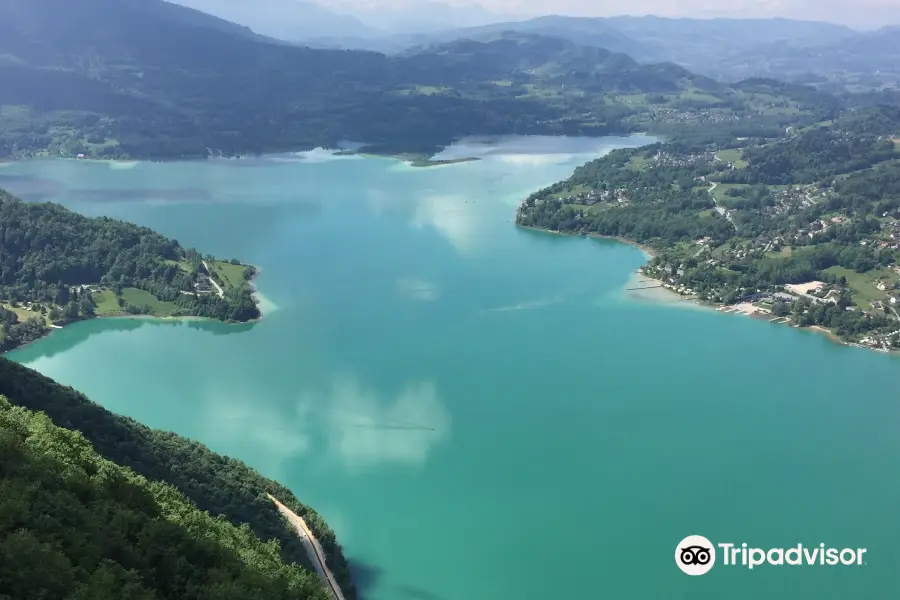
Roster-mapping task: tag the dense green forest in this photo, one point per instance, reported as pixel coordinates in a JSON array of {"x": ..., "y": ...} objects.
[
  {"x": 48, "y": 252},
  {"x": 811, "y": 156},
  {"x": 216, "y": 484},
  {"x": 75, "y": 526},
  {"x": 93, "y": 79}
]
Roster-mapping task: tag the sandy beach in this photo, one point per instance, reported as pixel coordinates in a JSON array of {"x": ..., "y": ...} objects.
[{"x": 646, "y": 289}]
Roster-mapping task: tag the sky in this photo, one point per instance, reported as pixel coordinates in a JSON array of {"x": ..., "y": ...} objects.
[{"x": 856, "y": 13}]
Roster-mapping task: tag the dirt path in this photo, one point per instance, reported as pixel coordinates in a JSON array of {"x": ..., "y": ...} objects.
[
  {"x": 313, "y": 550},
  {"x": 219, "y": 290}
]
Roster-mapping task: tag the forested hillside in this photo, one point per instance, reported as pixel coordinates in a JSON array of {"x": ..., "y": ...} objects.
[
  {"x": 49, "y": 253},
  {"x": 219, "y": 485},
  {"x": 75, "y": 526}
]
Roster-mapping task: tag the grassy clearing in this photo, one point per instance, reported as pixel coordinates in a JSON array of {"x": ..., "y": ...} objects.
[
  {"x": 784, "y": 252},
  {"x": 158, "y": 308},
  {"x": 24, "y": 314},
  {"x": 108, "y": 305},
  {"x": 231, "y": 275},
  {"x": 106, "y": 302},
  {"x": 863, "y": 284},
  {"x": 733, "y": 157},
  {"x": 180, "y": 264},
  {"x": 637, "y": 163},
  {"x": 721, "y": 191}
]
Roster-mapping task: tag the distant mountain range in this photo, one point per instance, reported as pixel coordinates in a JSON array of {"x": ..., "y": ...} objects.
[
  {"x": 94, "y": 78},
  {"x": 347, "y": 20},
  {"x": 724, "y": 49}
]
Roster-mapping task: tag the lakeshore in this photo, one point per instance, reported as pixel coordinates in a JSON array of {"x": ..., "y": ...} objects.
[{"x": 643, "y": 287}]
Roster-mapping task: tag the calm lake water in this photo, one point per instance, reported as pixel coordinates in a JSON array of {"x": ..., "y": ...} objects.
[{"x": 481, "y": 412}]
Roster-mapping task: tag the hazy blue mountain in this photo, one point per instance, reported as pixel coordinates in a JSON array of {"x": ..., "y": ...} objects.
[
  {"x": 587, "y": 32},
  {"x": 864, "y": 61},
  {"x": 681, "y": 38},
  {"x": 289, "y": 20},
  {"x": 424, "y": 17},
  {"x": 582, "y": 31}
]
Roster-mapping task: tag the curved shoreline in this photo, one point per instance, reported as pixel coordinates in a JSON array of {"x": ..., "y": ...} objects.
[{"x": 650, "y": 253}]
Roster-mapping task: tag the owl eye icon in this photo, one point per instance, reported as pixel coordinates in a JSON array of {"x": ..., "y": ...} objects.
[{"x": 695, "y": 555}]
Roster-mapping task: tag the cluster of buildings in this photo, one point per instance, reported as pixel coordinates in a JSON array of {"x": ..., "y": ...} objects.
[
  {"x": 665, "y": 159},
  {"x": 675, "y": 115}
]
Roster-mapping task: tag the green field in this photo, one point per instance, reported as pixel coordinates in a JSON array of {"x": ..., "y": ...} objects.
[
  {"x": 231, "y": 275},
  {"x": 721, "y": 191},
  {"x": 733, "y": 157},
  {"x": 784, "y": 252},
  {"x": 863, "y": 284},
  {"x": 24, "y": 314},
  {"x": 106, "y": 302},
  {"x": 158, "y": 308},
  {"x": 107, "y": 305}
]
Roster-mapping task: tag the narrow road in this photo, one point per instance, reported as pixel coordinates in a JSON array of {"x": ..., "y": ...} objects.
[
  {"x": 219, "y": 289},
  {"x": 313, "y": 550},
  {"x": 720, "y": 209}
]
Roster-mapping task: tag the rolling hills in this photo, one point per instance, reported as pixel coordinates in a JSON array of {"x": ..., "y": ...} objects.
[{"x": 94, "y": 80}]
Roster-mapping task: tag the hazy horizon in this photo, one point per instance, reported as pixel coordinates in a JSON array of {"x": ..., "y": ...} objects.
[{"x": 860, "y": 14}]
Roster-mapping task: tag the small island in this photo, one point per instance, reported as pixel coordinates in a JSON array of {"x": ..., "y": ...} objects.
[{"x": 57, "y": 267}]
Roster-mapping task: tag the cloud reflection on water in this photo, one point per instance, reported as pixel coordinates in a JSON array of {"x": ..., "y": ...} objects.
[
  {"x": 418, "y": 290},
  {"x": 346, "y": 422},
  {"x": 364, "y": 428},
  {"x": 452, "y": 216}
]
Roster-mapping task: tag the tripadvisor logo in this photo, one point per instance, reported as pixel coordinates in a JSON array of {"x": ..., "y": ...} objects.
[{"x": 696, "y": 555}]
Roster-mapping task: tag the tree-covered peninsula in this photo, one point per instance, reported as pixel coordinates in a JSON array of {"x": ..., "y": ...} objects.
[
  {"x": 57, "y": 266},
  {"x": 73, "y": 525},
  {"x": 803, "y": 227}
]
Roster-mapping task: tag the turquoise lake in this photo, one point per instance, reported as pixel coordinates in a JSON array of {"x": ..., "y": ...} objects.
[{"x": 483, "y": 412}]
